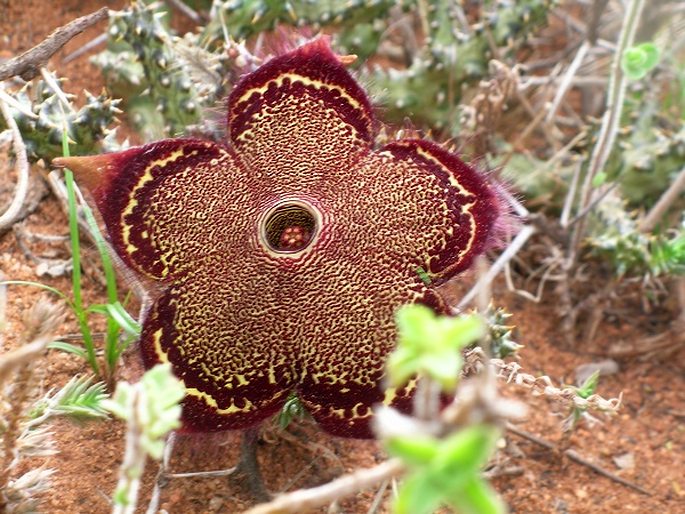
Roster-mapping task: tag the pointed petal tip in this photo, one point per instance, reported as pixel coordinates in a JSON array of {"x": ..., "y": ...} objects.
[{"x": 88, "y": 170}]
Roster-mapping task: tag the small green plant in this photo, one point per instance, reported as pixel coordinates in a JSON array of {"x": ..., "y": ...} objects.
[
  {"x": 442, "y": 470},
  {"x": 80, "y": 399},
  {"x": 292, "y": 410},
  {"x": 639, "y": 60},
  {"x": 429, "y": 345},
  {"x": 117, "y": 318},
  {"x": 447, "y": 471},
  {"x": 633, "y": 252},
  {"x": 151, "y": 409}
]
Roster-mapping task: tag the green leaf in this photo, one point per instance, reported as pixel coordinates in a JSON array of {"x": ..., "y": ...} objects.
[
  {"x": 69, "y": 348},
  {"x": 429, "y": 345},
  {"x": 80, "y": 398},
  {"x": 417, "y": 495},
  {"x": 402, "y": 364},
  {"x": 639, "y": 60},
  {"x": 423, "y": 275},
  {"x": 97, "y": 308},
  {"x": 39, "y": 285},
  {"x": 123, "y": 318},
  {"x": 463, "y": 330},
  {"x": 442, "y": 367},
  {"x": 464, "y": 452},
  {"x": 589, "y": 386},
  {"x": 415, "y": 451},
  {"x": 292, "y": 409},
  {"x": 599, "y": 179},
  {"x": 415, "y": 324},
  {"x": 476, "y": 497}
]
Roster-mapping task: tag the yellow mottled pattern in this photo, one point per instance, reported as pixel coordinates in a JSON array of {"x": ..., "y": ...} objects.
[{"x": 244, "y": 325}]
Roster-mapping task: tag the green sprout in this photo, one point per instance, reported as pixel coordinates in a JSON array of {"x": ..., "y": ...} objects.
[
  {"x": 117, "y": 318},
  {"x": 447, "y": 471},
  {"x": 291, "y": 410},
  {"x": 151, "y": 409},
  {"x": 430, "y": 345},
  {"x": 80, "y": 399},
  {"x": 586, "y": 389},
  {"x": 639, "y": 60},
  {"x": 442, "y": 470}
]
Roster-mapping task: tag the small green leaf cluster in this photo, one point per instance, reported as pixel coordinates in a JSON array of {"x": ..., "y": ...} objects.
[
  {"x": 429, "y": 345},
  {"x": 291, "y": 410},
  {"x": 80, "y": 399},
  {"x": 447, "y": 471},
  {"x": 119, "y": 321},
  {"x": 638, "y": 61},
  {"x": 586, "y": 389},
  {"x": 633, "y": 252},
  {"x": 442, "y": 470},
  {"x": 153, "y": 404}
]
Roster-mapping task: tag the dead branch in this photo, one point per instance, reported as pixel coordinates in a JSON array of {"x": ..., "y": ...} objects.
[
  {"x": 304, "y": 499},
  {"x": 8, "y": 218},
  {"x": 28, "y": 64},
  {"x": 576, "y": 457},
  {"x": 667, "y": 198}
]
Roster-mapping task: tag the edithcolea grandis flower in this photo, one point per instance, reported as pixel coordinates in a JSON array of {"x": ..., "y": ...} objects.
[{"x": 279, "y": 257}]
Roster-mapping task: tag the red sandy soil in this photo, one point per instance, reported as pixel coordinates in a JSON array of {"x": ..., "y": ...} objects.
[{"x": 650, "y": 425}]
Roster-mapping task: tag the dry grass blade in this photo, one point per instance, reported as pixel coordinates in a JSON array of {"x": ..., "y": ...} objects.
[{"x": 41, "y": 322}]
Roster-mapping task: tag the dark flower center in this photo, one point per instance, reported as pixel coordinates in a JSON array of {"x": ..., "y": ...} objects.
[{"x": 290, "y": 228}]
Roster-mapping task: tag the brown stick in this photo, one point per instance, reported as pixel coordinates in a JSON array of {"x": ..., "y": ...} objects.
[
  {"x": 667, "y": 199},
  {"x": 306, "y": 499},
  {"x": 28, "y": 64},
  {"x": 576, "y": 457}
]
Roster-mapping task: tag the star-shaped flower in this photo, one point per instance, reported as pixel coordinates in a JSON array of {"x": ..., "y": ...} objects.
[{"x": 279, "y": 259}]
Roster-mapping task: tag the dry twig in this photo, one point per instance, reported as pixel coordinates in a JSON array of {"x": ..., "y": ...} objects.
[
  {"x": 303, "y": 499},
  {"x": 576, "y": 457},
  {"x": 656, "y": 214},
  {"x": 12, "y": 213},
  {"x": 28, "y": 64}
]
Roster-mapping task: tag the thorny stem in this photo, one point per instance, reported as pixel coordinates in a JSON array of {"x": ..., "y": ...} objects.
[{"x": 611, "y": 119}]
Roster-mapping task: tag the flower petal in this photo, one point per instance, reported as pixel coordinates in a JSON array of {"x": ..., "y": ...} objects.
[
  {"x": 444, "y": 210},
  {"x": 141, "y": 191},
  {"x": 235, "y": 370},
  {"x": 300, "y": 113}
]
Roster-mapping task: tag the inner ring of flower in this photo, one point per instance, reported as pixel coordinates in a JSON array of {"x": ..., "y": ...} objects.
[{"x": 290, "y": 227}]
